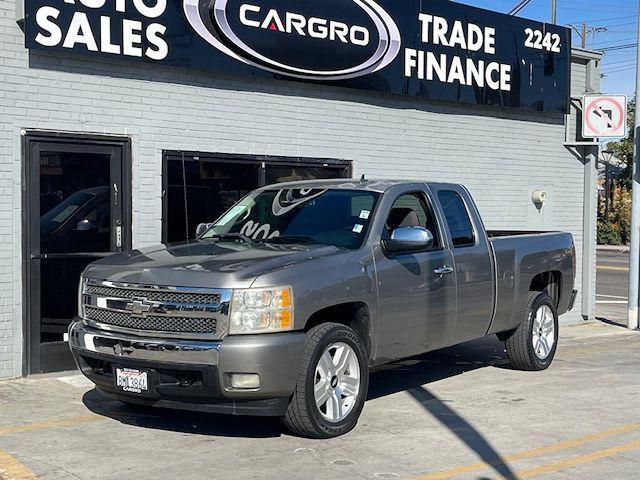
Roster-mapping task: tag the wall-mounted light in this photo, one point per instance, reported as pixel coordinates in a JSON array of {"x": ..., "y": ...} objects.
[{"x": 539, "y": 198}]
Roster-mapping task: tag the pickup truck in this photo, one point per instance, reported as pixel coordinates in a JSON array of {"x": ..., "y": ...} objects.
[{"x": 284, "y": 304}]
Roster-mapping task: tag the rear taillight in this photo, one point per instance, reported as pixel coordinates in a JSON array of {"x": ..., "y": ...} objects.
[{"x": 573, "y": 259}]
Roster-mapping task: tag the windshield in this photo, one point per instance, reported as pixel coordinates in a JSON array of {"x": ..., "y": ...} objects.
[
  {"x": 59, "y": 214},
  {"x": 322, "y": 216}
]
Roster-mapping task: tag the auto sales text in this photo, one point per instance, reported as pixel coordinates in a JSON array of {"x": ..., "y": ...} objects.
[{"x": 135, "y": 38}]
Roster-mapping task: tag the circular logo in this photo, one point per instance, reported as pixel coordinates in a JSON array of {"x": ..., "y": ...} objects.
[{"x": 329, "y": 40}]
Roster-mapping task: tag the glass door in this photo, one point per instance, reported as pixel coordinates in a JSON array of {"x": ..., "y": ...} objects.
[{"x": 75, "y": 215}]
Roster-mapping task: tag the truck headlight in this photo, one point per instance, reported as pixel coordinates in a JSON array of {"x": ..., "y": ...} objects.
[{"x": 261, "y": 310}]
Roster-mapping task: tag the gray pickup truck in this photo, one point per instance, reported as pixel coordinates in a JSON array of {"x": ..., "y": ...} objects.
[{"x": 284, "y": 304}]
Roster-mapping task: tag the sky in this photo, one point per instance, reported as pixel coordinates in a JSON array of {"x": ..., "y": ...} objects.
[{"x": 619, "y": 17}]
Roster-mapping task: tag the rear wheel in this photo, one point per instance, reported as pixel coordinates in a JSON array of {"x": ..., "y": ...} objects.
[
  {"x": 332, "y": 383},
  {"x": 533, "y": 344}
]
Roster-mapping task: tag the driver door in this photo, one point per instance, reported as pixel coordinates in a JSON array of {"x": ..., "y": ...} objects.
[{"x": 417, "y": 306}]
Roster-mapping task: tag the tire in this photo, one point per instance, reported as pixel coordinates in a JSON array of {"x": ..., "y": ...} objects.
[
  {"x": 534, "y": 350},
  {"x": 304, "y": 416}
]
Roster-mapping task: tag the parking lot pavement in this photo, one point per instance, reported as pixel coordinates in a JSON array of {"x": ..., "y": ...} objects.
[{"x": 457, "y": 413}]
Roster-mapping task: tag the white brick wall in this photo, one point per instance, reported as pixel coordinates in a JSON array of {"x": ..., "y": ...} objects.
[{"x": 501, "y": 155}]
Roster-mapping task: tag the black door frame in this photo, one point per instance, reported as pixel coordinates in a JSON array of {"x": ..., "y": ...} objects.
[
  {"x": 30, "y": 280},
  {"x": 260, "y": 160}
]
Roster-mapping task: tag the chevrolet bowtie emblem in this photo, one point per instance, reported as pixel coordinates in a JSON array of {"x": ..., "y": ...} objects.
[{"x": 138, "y": 307}]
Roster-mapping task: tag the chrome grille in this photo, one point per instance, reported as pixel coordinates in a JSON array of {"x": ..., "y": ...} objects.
[
  {"x": 154, "y": 295},
  {"x": 149, "y": 310},
  {"x": 153, "y": 322}
]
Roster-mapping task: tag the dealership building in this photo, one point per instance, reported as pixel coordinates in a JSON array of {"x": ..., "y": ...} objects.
[{"x": 126, "y": 123}]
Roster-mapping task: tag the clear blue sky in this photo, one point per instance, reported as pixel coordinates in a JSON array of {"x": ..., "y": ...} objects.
[{"x": 618, "y": 16}]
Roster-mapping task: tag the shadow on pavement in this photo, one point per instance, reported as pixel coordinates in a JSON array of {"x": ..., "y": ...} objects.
[
  {"x": 462, "y": 429},
  {"x": 197, "y": 423},
  {"x": 413, "y": 374},
  {"x": 431, "y": 367},
  {"x": 407, "y": 375},
  {"x": 614, "y": 323}
]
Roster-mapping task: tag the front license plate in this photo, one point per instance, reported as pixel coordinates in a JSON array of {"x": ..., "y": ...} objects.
[{"x": 132, "y": 380}]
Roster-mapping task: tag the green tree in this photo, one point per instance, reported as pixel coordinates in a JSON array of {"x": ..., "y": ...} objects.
[{"x": 623, "y": 149}]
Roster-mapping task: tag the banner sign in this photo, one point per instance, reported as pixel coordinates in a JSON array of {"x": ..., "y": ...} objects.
[{"x": 436, "y": 49}]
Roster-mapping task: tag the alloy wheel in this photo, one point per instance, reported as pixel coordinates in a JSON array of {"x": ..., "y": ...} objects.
[
  {"x": 337, "y": 382},
  {"x": 544, "y": 332}
]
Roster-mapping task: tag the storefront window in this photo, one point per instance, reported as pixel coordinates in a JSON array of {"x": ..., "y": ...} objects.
[
  {"x": 200, "y": 188},
  {"x": 200, "y": 191},
  {"x": 288, "y": 173}
]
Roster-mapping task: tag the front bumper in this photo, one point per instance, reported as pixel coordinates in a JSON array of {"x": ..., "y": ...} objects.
[{"x": 193, "y": 375}]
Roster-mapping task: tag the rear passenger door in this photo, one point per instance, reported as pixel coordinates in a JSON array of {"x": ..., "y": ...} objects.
[{"x": 473, "y": 265}]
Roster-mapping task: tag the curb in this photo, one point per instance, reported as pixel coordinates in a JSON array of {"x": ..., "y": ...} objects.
[{"x": 613, "y": 248}]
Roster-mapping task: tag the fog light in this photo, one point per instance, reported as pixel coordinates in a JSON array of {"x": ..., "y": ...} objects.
[{"x": 245, "y": 380}]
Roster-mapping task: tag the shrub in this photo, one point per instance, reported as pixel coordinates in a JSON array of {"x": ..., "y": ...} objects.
[
  {"x": 621, "y": 213},
  {"x": 609, "y": 234}
]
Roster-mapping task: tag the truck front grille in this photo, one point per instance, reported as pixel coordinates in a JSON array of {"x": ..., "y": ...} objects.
[
  {"x": 154, "y": 295},
  {"x": 152, "y": 323},
  {"x": 160, "y": 311}
]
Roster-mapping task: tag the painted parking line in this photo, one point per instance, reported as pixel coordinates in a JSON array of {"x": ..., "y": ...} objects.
[
  {"x": 12, "y": 469},
  {"x": 536, "y": 452},
  {"x": 580, "y": 459},
  {"x": 66, "y": 422},
  {"x": 617, "y": 269}
]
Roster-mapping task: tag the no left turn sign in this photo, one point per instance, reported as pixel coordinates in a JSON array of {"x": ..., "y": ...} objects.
[{"x": 604, "y": 116}]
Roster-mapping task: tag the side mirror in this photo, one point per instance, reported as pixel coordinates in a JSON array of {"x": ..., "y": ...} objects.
[
  {"x": 408, "y": 239},
  {"x": 86, "y": 225},
  {"x": 201, "y": 228}
]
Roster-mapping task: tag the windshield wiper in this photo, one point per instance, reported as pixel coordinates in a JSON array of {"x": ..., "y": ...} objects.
[
  {"x": 231, "y": 236},
  {"x": 291, "y": 239}
]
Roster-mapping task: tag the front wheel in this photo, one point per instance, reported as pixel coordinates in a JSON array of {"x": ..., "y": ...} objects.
[
  {"x": 533, "y": 344},
  {"x": 332, "y": 383}
]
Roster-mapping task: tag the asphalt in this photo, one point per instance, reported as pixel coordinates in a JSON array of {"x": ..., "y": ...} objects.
[
  {"x": 612, "y": 284},
  {"x": 457, "y": 413}
]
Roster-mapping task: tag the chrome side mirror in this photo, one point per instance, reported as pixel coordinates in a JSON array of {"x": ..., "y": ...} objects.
[{"x": 409, "y": 239}]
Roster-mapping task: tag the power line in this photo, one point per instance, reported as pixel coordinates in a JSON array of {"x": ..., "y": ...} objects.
[
  {"x": 619, "y": 70},
  {"x": 519, "y": 6},
  {"x": 613, "y": 42},
  {"x": 619, "y": 47}
]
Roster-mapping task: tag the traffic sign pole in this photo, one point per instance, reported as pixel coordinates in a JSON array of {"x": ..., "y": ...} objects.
[{"x": 634, "y": 254}]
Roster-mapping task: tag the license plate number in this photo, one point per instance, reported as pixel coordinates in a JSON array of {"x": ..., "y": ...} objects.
[{"x": 132, "y": 380}]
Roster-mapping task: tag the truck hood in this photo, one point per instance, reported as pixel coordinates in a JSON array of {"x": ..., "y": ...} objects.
[{"x": 203, "y": 263}]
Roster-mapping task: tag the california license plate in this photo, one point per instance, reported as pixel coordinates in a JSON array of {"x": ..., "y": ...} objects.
[{"x": 132, "y": 380}]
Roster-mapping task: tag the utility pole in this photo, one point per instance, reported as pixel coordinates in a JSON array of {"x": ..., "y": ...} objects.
[
  {"x": 585, "y": 31},
  {"x": 634, "y": 254},
  {"x": 554, "y": 16}
]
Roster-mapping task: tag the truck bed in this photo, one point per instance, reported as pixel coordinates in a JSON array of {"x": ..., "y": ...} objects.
[
  {"x": 519, "y": 255},
  {"x": 513, "y": 233}
]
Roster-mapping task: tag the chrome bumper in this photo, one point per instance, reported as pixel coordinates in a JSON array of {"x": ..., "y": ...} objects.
[
  {"x": 275, "y": 357},
  {"x": 186, "y": 352}
]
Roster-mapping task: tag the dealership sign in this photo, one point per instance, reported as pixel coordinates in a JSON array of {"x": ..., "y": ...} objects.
[{"x": 434, "y": 48}]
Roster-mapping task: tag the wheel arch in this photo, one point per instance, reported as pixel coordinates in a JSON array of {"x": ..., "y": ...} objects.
[
  {"x": 351, "y": 314},
  {"x": 549, "y": 282}
]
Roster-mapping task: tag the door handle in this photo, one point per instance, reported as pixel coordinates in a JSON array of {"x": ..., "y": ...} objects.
[{"x": 443, "y": 270}]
